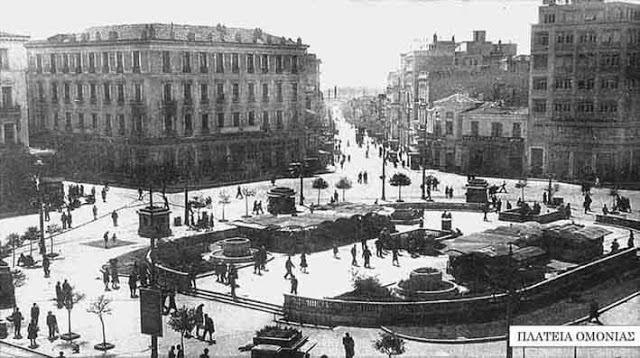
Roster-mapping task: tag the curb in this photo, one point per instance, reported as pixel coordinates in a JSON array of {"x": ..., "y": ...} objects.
[
  {"x": 501, "y": 338},
  {"x": 32, "y": 351}
]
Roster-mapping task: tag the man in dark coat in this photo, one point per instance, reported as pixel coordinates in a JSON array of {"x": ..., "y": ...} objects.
[
  {"x": 133, "y": 284},
  {"x": 208, "y": 328},
  {"x": 354, "y": 252},
  {"x": 52, "y": 324},
  {"x": 366, "y": 254},
  {"x": 46, "y": 264},
  {"x": 17, "y": 323},
  {"x": 288, "y": 265},
  {"x": 294, "y": 285},
  {"x": 35, "y": 313},
  {"x": 349, "y": 346},
  {"x": 59, "y": 294}
]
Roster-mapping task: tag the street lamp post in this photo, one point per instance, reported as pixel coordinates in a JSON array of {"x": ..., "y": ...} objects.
[{"x": 510, "y": 270}]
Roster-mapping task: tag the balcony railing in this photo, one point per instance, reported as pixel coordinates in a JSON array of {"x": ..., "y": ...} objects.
[{"x": 492, "y": 139}]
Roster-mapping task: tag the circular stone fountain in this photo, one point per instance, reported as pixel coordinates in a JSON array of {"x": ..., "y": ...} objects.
[
  {"x": 425, "y": 283},
  {"x": 236, "y": 250}
]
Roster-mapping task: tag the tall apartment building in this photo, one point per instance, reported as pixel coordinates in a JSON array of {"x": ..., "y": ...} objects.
[
  {"x": 585, "y": 91},
  {"x": 14, "y": 129},
  {"x": 208, "y": 103}
]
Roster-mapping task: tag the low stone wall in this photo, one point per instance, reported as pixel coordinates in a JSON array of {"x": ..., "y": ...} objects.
[
  {"x": 332, "y": 312},
  {"x": 514, "y": 215},
  {"x": 618, "y": 220},
  {"x": 438, "y": 205}
]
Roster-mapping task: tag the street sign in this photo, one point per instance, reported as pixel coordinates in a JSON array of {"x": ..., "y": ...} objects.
[{"x": 151, "y": 311}]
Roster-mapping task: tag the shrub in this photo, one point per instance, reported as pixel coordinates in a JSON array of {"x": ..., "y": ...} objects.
[{"x": 32, "y": 233}]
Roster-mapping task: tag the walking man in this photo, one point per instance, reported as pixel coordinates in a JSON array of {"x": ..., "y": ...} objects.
[
  {"x": 17, "y": 323},
  {"x": 394, "y": 257},
  {"x": 288, "y": 265},
  {"x": 354, "y": 252},
  {"x": 208, "y": 328},
  {"x": 35, "y": 313},
  {"x": 114, "y": 217},
  {"x": 294, "y": 285},
  {"x": 95, "y": 212},
  {"x": 349, "y": 346},
  {"x": 46, "y": 264},
  {"x": 133, "y": 285},
  {"x": 52, "y": 324},
  {"x": 105, "y": 237},
  {"x": 366, "y": 254},
  {"x": 239, "y": 193}
]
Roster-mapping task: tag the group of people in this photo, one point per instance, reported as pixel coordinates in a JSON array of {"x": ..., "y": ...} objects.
[
  {"x": 257, "y": 208},
  {"x": 259, "y": 260},
  {"x": 228, "y": 275},
  {"x": 448, "y": 192},
  {"x": 64, "y": 294},
  {"x": 33, "y": 327},
  {"x": 363, "y": 178}
]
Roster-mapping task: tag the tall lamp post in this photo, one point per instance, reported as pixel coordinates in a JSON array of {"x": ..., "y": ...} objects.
[{"x": 510, "y": 271}]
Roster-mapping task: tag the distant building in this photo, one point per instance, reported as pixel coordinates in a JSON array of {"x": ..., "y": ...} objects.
[
  {"x": 585, "y": 91},
  {"x": 173, "y": 102},
  {"x": 14, "y": 129}
]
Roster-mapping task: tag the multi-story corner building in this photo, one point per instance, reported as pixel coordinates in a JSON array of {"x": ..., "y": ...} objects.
[
  {"x": 585, "y": 91},
  {"x": 128, "y": 102},
  {"x": 14, "y": 129}
]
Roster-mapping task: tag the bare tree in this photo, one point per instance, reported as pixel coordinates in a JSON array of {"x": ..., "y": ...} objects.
[
  {"x": 246, "y": 192},
  {"x": 68, "y": 304},
  {"x": 100, "y": 307}
]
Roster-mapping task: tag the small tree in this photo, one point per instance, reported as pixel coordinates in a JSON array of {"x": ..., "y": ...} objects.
[
  {"x": 344, "y": 184},
  {"x": 246, "y": 192},
  {"x": 224, "y": 200},
  {"x": 521, "y": 184},
  {"x": 182, "y": 321},
  {"x": 320, "y": 184},
  {"x": 68, "y": 304},
  {"x": 400, "y": 180},
  {"x": 389, "y": 344},
  {"x": 100, "y": 306}
]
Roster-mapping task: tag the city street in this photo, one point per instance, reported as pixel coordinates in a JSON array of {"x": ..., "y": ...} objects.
[{"x": 80, "y": 264}]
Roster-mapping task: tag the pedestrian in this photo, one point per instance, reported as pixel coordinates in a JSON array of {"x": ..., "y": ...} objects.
[
  {"x": 366, "y": 254},
  {"x": 335, "y": 196},
  {"x": 239, "y": 193},
  {"x": 485, "y": 210},
  {"x": 192, "y": 276},
  {"x": 594, "y": 312},
  {"x": 139, "y": 193},
  {"x": 105, "y": 238},
  {"x": 257, "y": 262},
  {"x": 172, "y": 302},
  {"x": 199, "y": 320},
  {"x": 52, "y": 324},
  {"x": 503, "y": 187},
  {"x": 16, "y": 317},
  {"x": 615, "y": 246},
  {"x": 208, "y": 328},
  {"x": 394, "y": 258},
  {"x": 365, "y": 177},
  {"x": 263, "y": 258},
  {"x": 35, "y": 313},
  {"x": 232, "y": 281},
  {"x": 105, "y": 278},
  {"x": 32, "y": 334},
  {"x": 59, "y": 295},
  {"x": 303, "y": 263},
  {"x": 67, "y": 292},
  {"x": 133, "y": 284},
  {"x": 47, "y": 216},
  {"x": 69, "y": 219},
  {"x": 354, "y": 252},
  {"x": 363, "y": 242},
  {"x": 115, "y": 281},
  {"x": 273, "y": 180},
  {"x": 180, "y": 352},
  {"x": 172, "y": 352},
  {"x": 95, "y": 213},
  {"x": 142, "y": 275},
  {"x": 46, "y": 264},
  {"x": 630, "y": 242},
  {"x": 104, "y": 195},
  {"x": 349, "y": 345},
  {"x": 114, "y": 217},
  {"x": 294, "y": 285},
  {"x": 288, "y": 265},
  {"x": 378, "y": 245},
  {"x": 205, "y": 353},
  {"x": 223, "y": 273},
  {"x": 335, "y": 251}
]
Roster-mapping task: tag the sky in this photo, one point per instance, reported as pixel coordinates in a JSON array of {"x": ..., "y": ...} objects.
[{"x": 358, "y": 41}]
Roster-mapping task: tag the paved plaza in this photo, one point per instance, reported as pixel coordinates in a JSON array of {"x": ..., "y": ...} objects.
[{"x": 80, "y": 261}]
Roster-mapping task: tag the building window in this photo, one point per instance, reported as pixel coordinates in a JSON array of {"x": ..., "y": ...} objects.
[
  {"x": 634, "y": 59},
  {"x": 609, "y": 83},
  {"x": 235, "y": 65},
  {"x": 67, "y": 92},
  {"x": 562, "y": 107},
  {"x": 496, "y": 129},
  {"x": 563, "y": 83},
  {"x": 188, "y": 99},
  {"x": 541, "y": 38},
  {"x": 587, "y": 59},
  {"x": 105, "y": 62},
  {"x": 81, "y": 121},
  {"x": 540, "y": 84},
  {"x": 107, "y": 124},
  {"x": 220, "y": 92},
  {"x": 264, "y": 63},
  {"x": 539, "y": 105},
  {"x": 608, "y": 107},
  {"x": 188, "y": 125},
  {"x": 586, "y": 84},
  {"x": 540, "y": 62},
  {"x": 204, "y": 93},
  {"x": 54, "y": 92},
  {"x": 107, "y": 93},
  {"x": 121, "y": 124},
  {"x": 39, "y": 63},
  {"x": 252, "y": 94},
  {"x": 204, "y": 119},
  {"x": 220, "y": 63},
  {"x": 68, "y": 125},
  {"x": 265, "y": 92},
  {"x": 294, "y": 92},
  {"x": 633, "y": 36},
  {"x": 587, "y": 37},
  {"x": 56, "y": 121},
  {"x": 279, "y": 64},
  {"x": 168, "y": 96},
  {"x": 92, "y": 93},
  {"x": 585, "y": 106},
  {"x": 92, "y": 62},
  {"x": 52, "y": 60},
  {"x": 294, "y": 64},
  {"x": 564, "y": 63},
  {"x": 279, "y": 120},
  {"x": 40, "y": 91},
  {"x": 94, "y": 121},
  {"x": 204, "y": 62},
  {"x": 78, "y": 62},
  {"x": 137, "y": 123},
  {"x": 137, "y": 92},
  {"x": 168, "y": 124},
  {"x": 265, "y": 120},
  {"x": 220, "y": 119},
  {"x": 294, "y": 117},
  {"x": 236, "y": 119},
  {"x": 236, "y": 93},
  {"x": 449, "y": 128},
  {"x": 136, "y": 61},
  {"x": 65, "y": 63},
  {"x": 279, "y": 91},
  {"x": 610, "y": 37},
  {"x": 166, "y": 62},
  {"x": 79, "y": 92},
  {"x": 120, "y": 93},
  {"x": 609, "y": 60},
  {"x": 186, "y": 62},
  {"x": 564, "y": 37},
  {"x": 516, "y": 131},
  {"x": 4, "y": 59},
  {"x": 252, "y": 118},
  {"x": 250, "y": 64}
]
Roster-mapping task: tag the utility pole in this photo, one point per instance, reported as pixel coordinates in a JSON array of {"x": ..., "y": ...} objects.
[
  {"x": 510, "y": 270},
  {"x": 301, "y": 185},
  {"x": 186, "y": 202},
  {"x": 423, "y": 177}
]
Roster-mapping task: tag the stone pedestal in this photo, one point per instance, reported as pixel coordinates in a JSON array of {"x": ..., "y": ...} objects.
[
  {"x": 477, "y": 191},
  {"x": 281, "y": 200},
  {"x": 154, "y": 222}
]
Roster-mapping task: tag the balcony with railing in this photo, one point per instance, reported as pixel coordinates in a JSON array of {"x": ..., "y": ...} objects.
[{"x": 492, "y": 139}]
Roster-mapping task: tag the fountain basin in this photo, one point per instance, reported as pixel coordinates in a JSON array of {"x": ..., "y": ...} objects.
[
  {"x": 236, "y": 247},
  {"x": 425, "y": 284}
]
